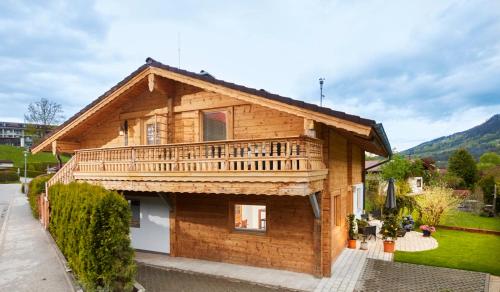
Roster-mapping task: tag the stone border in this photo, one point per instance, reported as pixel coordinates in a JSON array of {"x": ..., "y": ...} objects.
[
  {"x": 70, "y": 277},
  {"x": 474, "y": 230}
]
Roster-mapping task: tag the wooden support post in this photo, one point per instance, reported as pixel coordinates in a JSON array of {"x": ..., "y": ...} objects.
[
  {"x": 318, "y": 254},
  {"x": 350, "y": 198},
  {"x": 326, "y": 210},
  {"x": 173, "y": 225}
]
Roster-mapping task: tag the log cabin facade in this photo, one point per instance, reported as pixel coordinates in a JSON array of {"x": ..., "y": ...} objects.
[{"x": 222, "y": 172}]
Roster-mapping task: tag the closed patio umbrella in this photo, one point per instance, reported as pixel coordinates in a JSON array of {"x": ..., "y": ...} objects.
[{"x": 390, "y": 200}]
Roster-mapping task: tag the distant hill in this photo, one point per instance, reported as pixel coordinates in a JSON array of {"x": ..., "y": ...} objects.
[{"x": 477, "y": 140}]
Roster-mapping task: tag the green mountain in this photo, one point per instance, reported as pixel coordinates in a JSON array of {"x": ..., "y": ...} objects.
[{"x": 477, "y": 140}]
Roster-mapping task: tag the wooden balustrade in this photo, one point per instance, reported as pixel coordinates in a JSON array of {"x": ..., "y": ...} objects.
[
  {"x": 65, "y": 174},
  {"x": 274, "y": 154}
]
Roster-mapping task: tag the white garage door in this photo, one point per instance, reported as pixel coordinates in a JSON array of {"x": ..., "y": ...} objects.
[{"x": 150, "y": 227}]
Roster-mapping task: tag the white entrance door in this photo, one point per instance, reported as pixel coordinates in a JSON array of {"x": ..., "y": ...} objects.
[{"x": 151, "y": 231}]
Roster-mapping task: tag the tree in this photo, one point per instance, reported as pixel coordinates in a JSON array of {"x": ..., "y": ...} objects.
[
  {"x": 398, "y": 168},
  {"x": 44, "y": 112},
  {"x": 487, "y": 185},
  {"x": 462, "y": 164},
  {"x": 434, "y": 203},
  {"x": 488, "y": 161},
  {"x": 43, "y": 115}
]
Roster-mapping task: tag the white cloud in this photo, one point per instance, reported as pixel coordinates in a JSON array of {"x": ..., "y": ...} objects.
[{"x": 398, "y": 62}]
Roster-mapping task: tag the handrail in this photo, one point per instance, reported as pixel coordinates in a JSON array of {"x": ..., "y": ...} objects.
[
  {"x": 65, "y": 174},
  {"x": 269, "y": 154},
  {"x": 203, "y": 142}
]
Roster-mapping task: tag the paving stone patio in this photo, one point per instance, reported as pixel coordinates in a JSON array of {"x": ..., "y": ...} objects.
[
  {"x": 347, "y": 268},
  {"x": 158, "y": 279},
  {"x": 286, "y": 280},
  {"x": 381, "y": 275}
]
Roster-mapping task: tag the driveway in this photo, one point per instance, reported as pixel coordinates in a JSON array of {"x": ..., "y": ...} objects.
[
  {"x": 158, "y": 279},
  {"x": 28, "y": 261}
]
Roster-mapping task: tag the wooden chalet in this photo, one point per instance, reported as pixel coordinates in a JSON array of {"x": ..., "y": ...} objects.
[{"x": 222, "y": 172}]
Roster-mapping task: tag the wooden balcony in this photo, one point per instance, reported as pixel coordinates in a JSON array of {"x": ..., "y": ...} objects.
[{"x": 276, "y": 166}]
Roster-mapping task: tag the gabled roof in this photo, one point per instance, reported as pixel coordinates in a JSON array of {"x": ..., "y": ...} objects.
[{"x": 377, "y": 132}]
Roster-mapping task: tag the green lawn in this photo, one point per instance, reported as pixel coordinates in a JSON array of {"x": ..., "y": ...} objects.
[
  {"x": 16, "y": 155},
  {"x": 459, "y": 250},
  {"x": 36, "y": 162},
  {"x": 465, "y": 219}
]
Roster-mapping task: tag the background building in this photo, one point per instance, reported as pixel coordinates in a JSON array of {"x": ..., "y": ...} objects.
[{"x": 19, "y": 134}]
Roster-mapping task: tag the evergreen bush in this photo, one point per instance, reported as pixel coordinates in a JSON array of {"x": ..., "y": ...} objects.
[
  {"x": 36, "y": 187},
  {"x": 91, "y": 227},
  {"x": 8, "y": 176}
]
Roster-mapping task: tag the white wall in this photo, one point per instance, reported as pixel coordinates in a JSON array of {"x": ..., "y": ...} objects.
[
  {"x": 357, "y": 200},
  {"x": 154, "y": 231},
  {"x": 415, "y": 187}
]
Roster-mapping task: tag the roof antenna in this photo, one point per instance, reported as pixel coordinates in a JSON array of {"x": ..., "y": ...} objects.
[
  {"x": 179, "y": 49},
  {"x": 321, "y": 81}
]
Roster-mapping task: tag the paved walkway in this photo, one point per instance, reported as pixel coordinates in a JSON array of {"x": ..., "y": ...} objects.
[
  {"x": 388, "y": 276},
  {"x": 28, "y": 260},
  {"x": 348, "y": 267},
  {"x": 263, "y": 276},
  {"x": 159, "y": 279}
]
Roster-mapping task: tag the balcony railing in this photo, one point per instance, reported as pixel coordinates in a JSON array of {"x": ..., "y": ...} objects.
[{"x": 269, "y": 155}]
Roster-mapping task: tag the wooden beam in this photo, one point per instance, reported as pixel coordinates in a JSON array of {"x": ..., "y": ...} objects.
[
  {"x": 140, "y": 114},
  {"x": 59, "y": 146},
  {"x": 151, "y": 82},
  {"x": 170, "y": 113},
  {"x": 102, "y": 103},
  {"x": 218, "y": 186},
  {"x": 309, "y": 129}
]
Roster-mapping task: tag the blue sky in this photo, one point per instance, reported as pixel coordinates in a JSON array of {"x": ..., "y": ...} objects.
[{"x": 422, "y": 68}]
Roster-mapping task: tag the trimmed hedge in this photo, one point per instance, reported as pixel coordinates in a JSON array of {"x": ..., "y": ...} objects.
[
  {"x": 8, "y": 176},
  {"x": 91, "y": 227},
  {"x": 36, "y": 187}
]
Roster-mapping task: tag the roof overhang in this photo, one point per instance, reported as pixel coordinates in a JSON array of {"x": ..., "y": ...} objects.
[{"x": 363, "y": 129}]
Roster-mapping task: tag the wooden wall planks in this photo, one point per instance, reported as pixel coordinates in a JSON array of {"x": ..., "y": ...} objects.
[{"x": 204, "y": 231}]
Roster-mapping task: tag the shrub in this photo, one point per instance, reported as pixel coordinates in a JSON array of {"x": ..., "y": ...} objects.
[
  {"x": 36, "y": 187},
  {"x": 91, "y": 227},
  {"x": 434, "y": 203},
  {"x": 390, "y": 227},
  {"x": 351, "y": 226},
  {"x": 8, "y": 176}
]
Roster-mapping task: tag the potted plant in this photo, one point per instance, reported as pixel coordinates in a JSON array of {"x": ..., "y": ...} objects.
[
  {"x": 351, "y": 243},
  {"x": 362, "y": 224},
  {"x": 427, "y": 230},
  {"x": 389, "y": 232}
]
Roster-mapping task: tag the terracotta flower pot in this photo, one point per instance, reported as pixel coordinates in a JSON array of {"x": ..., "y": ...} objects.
[
  {"x": 389, "y": 246},
  {"x": 351, "y": 243}
]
